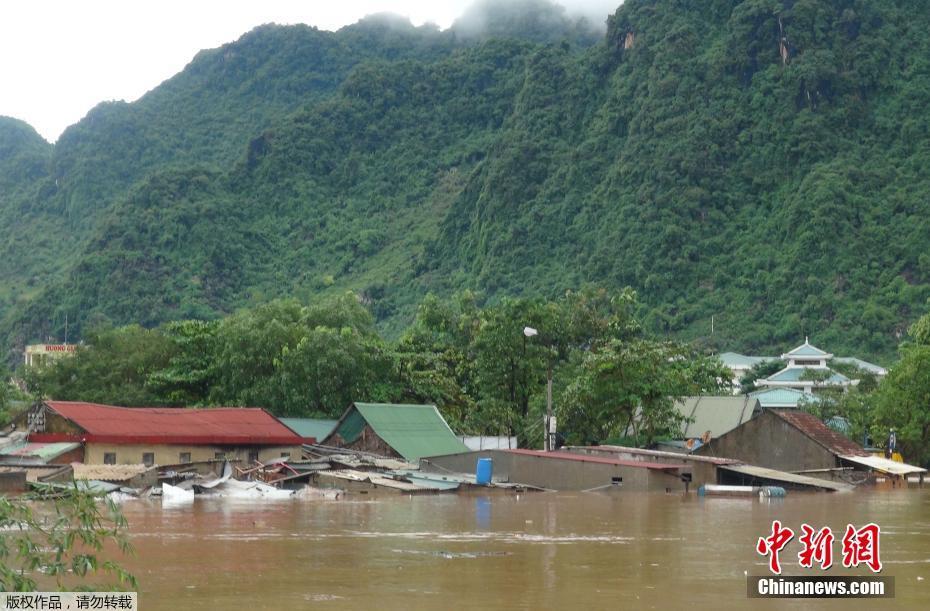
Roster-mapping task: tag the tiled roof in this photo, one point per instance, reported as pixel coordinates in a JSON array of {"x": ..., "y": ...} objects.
[
  {"x": 221, "y": 425},
  {"x": 811, "y": 426}
]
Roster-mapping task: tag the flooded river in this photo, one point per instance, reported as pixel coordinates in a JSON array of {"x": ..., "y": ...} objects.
[{"x": 536, "y": 551}]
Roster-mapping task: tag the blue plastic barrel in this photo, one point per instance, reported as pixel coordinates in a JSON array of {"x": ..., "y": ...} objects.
[
  {"x": 772, "y": 492},
  {"x": 484, "y": 471}
]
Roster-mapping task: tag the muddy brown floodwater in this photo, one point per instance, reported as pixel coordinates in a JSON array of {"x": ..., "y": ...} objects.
[{"x": 536, "y": 551}]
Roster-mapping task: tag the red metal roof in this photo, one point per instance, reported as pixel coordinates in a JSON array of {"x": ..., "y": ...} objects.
[
  {"x": 811, "y": 426},
  {"x": 597, "y": 459},
  {"x": 156, "y": 425}
]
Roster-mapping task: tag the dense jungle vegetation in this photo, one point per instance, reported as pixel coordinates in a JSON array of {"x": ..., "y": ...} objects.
[
  {"x": 611, "y": 380},
  {"x": 761, "y": 162}
]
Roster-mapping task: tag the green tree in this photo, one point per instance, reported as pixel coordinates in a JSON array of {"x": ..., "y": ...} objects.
[
  {"x": 630, "y": 387},
  {"x": 187, "y": 378},
  {"x": 435, "y": 359},
  {"x": 903, "y": 398},
  {"x": 300, "y": 360},
  {"x": 113, "y": 366},
  {"x": 5, "y": 394},
  {"x": 58, "y": 538}
]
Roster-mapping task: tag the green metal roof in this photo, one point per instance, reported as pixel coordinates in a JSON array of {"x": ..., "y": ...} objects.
[
  {"x": 783, "y": 397},
  {"x": 718, "y": 415},
  {"x": 794, "y": 374},
  {"x": 414, "y": 431},
  {"x": 310, "y": 427}
]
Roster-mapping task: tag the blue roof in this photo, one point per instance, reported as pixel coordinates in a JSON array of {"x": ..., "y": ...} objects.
[
  {"x": 735, "y": 359},
  {"x": 806, "y": 349},
  {"x": 310, "y": 427},
  {"x": 864, "y": 365},
  {"x": 783, "y": 397},
  {"x": 794, "y": 374}
]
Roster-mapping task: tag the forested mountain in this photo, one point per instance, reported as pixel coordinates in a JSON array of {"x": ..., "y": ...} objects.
[{"x": 758, "y": 161}]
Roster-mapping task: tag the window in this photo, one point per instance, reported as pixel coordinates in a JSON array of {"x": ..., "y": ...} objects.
[
  {"x": 185, "y": 457},
  {"x": 109, "y": 458},
  {"x": 219, "y": 456},
  {"x": 253, "y": 456},
  {"x": 285, "y": 454},
  {"x": 806, "y": 363},
  {"x": 148, "y": 458}
]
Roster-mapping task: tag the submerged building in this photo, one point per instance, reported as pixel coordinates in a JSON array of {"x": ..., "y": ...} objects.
[
  {"x": 161, "y": 436},
  {"x": 607, "y": 468},
  {"x": 396, "y": 430},
  {"x": 798, "y": 442}
]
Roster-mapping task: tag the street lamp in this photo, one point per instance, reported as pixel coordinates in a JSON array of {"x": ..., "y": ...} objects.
[{"x": 549, "y": 422}]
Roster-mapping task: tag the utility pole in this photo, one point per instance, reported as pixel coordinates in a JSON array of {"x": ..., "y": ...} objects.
[
  {"x": 548, "y": 444},
  {"x": 548, "y": 422}
]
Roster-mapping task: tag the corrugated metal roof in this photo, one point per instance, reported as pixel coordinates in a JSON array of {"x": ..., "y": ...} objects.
[
  {"x": 220, "y": 425},
  {"x": 879, "y": 463},
  {"x": 432, "y": 481},
  {"x": 718, "y": 415},
  {"x": 811, "y": 426},
  {"x": 783, "y": 476},
  {"x": 310, "y": 427},
  {"x": 659, "y": 454},
  {"x": 414, "y": 431},
  {"x": 374, "y": 478},
  {"x": 783, "y": 397},
  {"x": 43, "y": 451},
  {"x": 563, "y": 455}
]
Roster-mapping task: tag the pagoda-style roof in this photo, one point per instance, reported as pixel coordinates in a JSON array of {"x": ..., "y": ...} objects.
[
  {"x": 794, "y": 374},
  {"x": 807, "y": 350}
]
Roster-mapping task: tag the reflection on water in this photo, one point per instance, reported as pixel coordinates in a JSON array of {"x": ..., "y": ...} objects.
[{"x": 565, "y": 550}]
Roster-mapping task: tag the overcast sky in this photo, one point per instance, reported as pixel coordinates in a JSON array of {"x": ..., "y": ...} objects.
[{"x": 59, "y": 58}]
